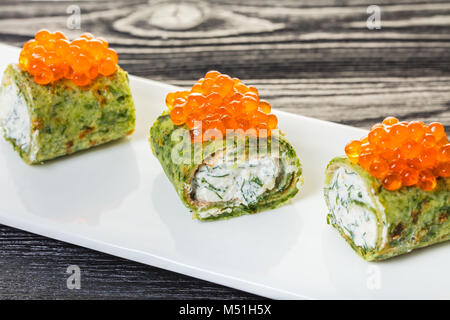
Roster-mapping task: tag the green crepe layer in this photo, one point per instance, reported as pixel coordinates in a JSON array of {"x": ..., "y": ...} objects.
[
  {"x": 181, "y": 174},
  {"x": 47, "y": 121},
  {"x": 400, "y": 221}
]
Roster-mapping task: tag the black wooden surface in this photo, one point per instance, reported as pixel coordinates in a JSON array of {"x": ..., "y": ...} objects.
[{"x": 312, "y": 57}]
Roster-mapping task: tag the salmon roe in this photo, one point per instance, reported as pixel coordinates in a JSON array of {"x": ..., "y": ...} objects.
[
  {"x": 50, "y": 57},
  {"x": 403, "y": 153},
  {"x": 219, "y": 103}
]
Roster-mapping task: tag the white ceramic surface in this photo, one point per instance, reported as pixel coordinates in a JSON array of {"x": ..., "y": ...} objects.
[{"x": 116, "y": 199}]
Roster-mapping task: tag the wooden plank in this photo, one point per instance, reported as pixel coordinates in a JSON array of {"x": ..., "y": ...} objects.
[{"x": 34, "y": 267}]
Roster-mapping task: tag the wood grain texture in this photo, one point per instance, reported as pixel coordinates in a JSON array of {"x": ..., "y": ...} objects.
[
  {"x": 34, "y": 267},
  {"x": 312, "y": 57}
]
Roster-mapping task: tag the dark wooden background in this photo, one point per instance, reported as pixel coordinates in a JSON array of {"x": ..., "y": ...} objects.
[{"x": 313, "y": 57}]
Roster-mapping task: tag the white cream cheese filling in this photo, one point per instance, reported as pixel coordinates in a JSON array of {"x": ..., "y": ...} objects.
[
  {"x": 357, "y": 221},
  {"x": 223, "y": 179},
  {"x": 14, "y": 116}
]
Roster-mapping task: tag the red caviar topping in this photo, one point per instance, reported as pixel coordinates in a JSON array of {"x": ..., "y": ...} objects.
[
  {"x": 220, "y": 103},
  {"x": 51, "y": 57},
  {"x": 392, "y": 182},
  {"x": 403, "y": 154},
  {"x": 409, "y": 177},
  {"x": 353, "y": 149},
  {"x": 389, "y": 121}
]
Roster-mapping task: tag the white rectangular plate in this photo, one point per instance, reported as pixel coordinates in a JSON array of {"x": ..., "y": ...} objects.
[{"x": 116, "y": 199}]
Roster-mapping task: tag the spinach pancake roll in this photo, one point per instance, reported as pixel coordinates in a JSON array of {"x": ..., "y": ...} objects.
[
  {"x": 220, "y": 148},
  {"x": 64, "y": 97},
  {"x": 391, "y": 194}
]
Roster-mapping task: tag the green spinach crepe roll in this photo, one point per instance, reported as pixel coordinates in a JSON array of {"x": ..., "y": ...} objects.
[
  {"x": 387, "y": 198},
  {"x": 235, "y": 172},
  {"x": 228, "y": 177},
  {"x": 63, "y": 116},
  {"x": 378, "y": 223}
]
